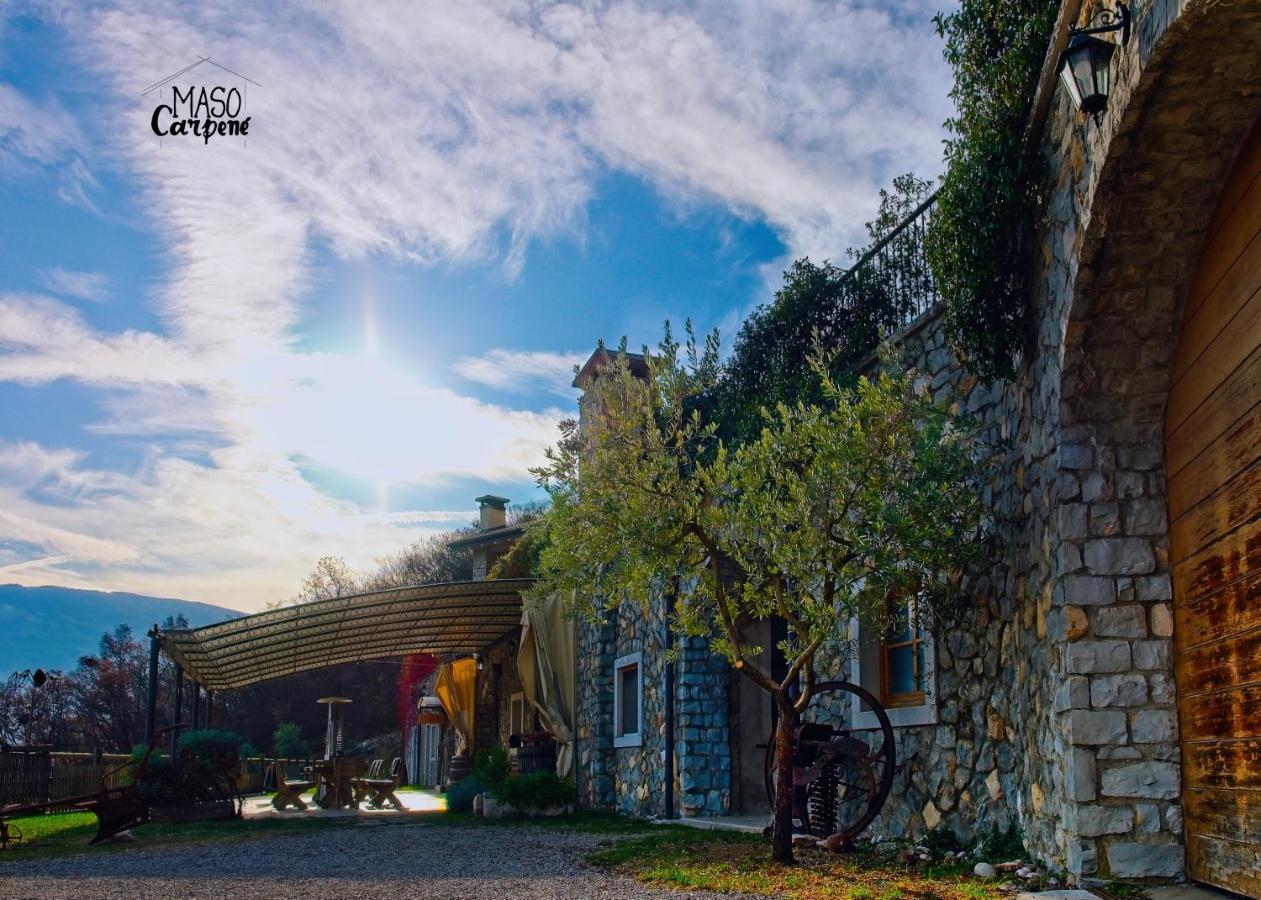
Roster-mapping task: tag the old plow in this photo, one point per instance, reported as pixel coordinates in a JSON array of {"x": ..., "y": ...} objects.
[{"x": 116, "y": 808}]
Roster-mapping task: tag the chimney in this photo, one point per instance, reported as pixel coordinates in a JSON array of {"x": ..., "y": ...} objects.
[{"x": 493, "y": 512}]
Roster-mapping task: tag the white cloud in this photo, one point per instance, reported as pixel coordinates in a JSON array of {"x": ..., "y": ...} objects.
[
  {"x": 443, "y": 132},
  {"x": 522, "y": 372},
  {"x": 91, "y": 286},
  {"x": 43, "y": 134}
]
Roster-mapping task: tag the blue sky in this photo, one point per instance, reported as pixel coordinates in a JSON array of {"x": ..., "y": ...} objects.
[{"x": 221, "y": 361}]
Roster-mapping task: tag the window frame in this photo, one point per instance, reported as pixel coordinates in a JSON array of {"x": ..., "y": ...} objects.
[
  {"x": 517, "y": 700},
  {"x": 922, "y": 710},
  {"x": 621, "y": 664},
  {"x": 917, "y": 641}
]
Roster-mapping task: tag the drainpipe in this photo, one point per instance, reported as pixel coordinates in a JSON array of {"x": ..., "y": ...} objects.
[{"x": 670, "y": 691}]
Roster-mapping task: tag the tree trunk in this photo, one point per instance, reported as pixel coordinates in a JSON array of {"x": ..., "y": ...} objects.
[{"x": 782, "y": 830}]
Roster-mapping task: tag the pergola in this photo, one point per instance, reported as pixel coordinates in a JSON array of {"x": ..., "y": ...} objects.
[{"x": 452, "y": 619}]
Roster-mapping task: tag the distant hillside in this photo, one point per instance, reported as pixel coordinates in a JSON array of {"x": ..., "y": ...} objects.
[{"x": 51, "y": 627}]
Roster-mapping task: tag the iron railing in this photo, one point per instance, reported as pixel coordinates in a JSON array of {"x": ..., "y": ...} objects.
[{"x": 893, "y": 280}]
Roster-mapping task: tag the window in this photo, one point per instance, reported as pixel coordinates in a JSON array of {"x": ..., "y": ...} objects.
[
  {"x": 902, "y": 673},
  {"x": 897, "y": 667},
  {"x": 516, "y": 714},
  {"x": 628, "y": 700}
]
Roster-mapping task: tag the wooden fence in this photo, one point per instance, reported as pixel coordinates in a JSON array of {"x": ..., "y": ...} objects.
[{"x": 38, "y": 775}]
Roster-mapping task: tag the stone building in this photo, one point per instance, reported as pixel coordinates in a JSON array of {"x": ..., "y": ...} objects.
[
  {"x": 1103, "y": 694},
  {"x": 500, "y": 710}
]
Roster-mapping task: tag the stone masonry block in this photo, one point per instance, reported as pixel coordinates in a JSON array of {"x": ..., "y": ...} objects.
[
  {"x": 1094, "y": 821},
  {"x": 1147, "y": 780},
  {"x": 1121, "y": 621},
  {"x": 1073, "y": 693},
  {"x": 1096, "y": 727},
  {"x": 1085, "y": 590},
  {"x": 1128, "y": 860},
  {"x": 1154, "y": 587},
  {"x": 1081, "y": 775},
  {"x": 1153, "y": 726},
  {"x": 1126, "y": 689},
  {"x": 1089, "y": 657},
  {"x": 1151, "y": 655},
  {"x": 1073, "y": 521},
  {"x": 1076, "y": 456},
  {"x": 1119, "y": 556}
]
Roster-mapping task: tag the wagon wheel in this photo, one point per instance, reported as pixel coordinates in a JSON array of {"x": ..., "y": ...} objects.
[{"x": 841, "y": 778}]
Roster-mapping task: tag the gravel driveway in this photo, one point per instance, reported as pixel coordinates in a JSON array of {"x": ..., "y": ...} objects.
[{"x": 394, "y": 862}]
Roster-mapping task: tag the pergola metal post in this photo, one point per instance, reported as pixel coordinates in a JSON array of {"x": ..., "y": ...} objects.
[
  {"x": 210, "y": 708},
  {"x": 196, "y": 710},
  {"x": 177, "y": 715},
  {"x": 151, "y": 708}
]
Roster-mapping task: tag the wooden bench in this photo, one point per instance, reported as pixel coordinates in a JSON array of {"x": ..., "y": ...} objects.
[
  {"x": 380, "y": 791},
  {"x": 288, "y": 792}
]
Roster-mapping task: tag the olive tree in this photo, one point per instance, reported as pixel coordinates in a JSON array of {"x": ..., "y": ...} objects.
[{"x": 833, "y": 510}]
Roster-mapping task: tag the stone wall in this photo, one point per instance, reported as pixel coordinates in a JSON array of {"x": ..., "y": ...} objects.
[
  {"x": 1060, "y": 689},
  {"x": 494, "y": 691},
  {"x": 632, "y": 779}
]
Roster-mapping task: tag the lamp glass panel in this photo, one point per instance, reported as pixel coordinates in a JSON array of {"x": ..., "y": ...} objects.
[
  {"x": 1070, "y": 82},
  {"x": 1083, "y": 62},
  {"x": 1100, "y": 59}
]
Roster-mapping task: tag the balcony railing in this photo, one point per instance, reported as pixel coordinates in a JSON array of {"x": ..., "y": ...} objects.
[{"x": 892, "y": 281}]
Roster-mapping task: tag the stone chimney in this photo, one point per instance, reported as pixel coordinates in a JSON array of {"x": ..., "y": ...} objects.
[{"x": 493, "y": 512}]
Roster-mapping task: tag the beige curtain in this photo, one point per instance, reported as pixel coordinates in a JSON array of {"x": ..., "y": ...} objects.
[
  {"x": 546, "y": 663},
  {"x": 457, "y": 690}
]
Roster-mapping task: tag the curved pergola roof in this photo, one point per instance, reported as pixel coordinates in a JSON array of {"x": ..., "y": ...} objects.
[{"x": 457, "y": 618}]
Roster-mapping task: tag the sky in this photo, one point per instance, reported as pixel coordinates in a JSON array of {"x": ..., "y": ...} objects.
[{"x": 221, "y": 360}]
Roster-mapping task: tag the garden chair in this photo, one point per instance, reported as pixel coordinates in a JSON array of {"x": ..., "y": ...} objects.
[
  {"x": 288, "y": 792},
  {"x": 380, "y": 790}
]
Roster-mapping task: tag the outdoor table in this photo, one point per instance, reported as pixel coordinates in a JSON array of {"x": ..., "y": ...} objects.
[{"x": 332, "y": 778}]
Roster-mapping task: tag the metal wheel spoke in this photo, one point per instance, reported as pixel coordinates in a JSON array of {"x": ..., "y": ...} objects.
[{"x": 846, "y": 782}]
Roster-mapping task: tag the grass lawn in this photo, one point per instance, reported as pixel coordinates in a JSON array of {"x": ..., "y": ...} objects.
[
  {"x": 63, "y": 834},
  {"x": 690, "y": 859}
]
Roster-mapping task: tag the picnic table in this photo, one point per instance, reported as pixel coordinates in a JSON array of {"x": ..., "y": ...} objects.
[{"x": 333, "y": 777}]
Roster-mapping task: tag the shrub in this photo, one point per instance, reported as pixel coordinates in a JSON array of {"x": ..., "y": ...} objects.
[
  {"x": 1001, "y": 846},
  {"x": 941, "y": 840},
  {"x": 288, "y": 741},
  {"x": 205, "y": 768},
  {"x": 492, "y": 767},
  {"x": 211, "y": 749},
  {"x": 537, "y": 791},
  {"x": 460, "y": 795}
]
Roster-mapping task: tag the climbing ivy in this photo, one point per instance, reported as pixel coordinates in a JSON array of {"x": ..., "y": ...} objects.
[{"x": 986, "y": 204}]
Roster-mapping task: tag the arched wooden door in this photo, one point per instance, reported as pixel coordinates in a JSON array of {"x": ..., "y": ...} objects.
[{"x": 1213, "y": 463}]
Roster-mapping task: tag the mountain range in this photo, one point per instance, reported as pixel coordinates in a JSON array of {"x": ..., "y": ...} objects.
[{"x": 51, "y": 627}]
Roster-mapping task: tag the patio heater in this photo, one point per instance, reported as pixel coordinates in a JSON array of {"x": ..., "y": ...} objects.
[{"x": 333, "y": 733}]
